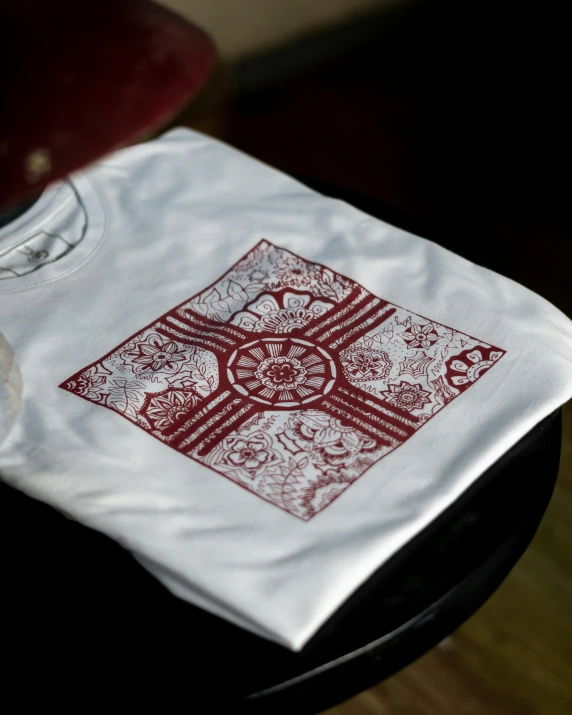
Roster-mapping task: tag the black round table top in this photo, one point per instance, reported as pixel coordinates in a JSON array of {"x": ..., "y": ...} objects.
[{"x": 80, "y": 613}]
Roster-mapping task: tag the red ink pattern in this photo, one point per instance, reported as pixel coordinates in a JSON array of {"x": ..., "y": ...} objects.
[{"x": 285, "y": 377}]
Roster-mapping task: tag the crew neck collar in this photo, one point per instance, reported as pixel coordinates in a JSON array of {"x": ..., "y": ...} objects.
[{"x": 41, "y": 216}]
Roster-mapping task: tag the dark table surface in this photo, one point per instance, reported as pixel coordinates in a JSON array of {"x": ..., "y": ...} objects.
[{"x": 80, "y": 615}]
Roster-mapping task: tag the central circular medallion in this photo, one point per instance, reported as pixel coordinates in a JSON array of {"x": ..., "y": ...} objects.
[{"x": 282, "y": 372}]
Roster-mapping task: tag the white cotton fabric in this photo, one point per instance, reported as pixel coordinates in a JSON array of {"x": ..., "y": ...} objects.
[{"x": 151, "y": 226}]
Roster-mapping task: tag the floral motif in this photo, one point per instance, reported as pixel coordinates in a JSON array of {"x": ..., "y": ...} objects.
[
  {"x": 292, "y": 271},
  {"x": 407, "y": 396},
  {"x": 280, "y": 314},
  {"x": 166, "y": 408},
  {"x": 322, "y": 492},
  {"x": 330, "y": 442},
  {"x": 470, "y": 364},
  {"x": 281, "y": 373},
  {"x": 249, "y": 454},
  {"x": 156, "y": 355},
  {"x": 363, "y": 364},
  {"x": 88, "y": 384},
  {"x": 420, "y": 336},
  {"x": 302, "y": 428}
]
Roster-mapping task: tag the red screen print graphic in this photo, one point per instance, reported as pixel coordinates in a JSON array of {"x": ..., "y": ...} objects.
[{"x": 286, "y": 377}]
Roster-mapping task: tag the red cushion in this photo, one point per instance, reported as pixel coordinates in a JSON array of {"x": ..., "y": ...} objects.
[{"x": 80, "y": 79}]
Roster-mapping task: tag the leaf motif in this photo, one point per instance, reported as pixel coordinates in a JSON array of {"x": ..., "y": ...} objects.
[
  {"x": 201, "y": 308},
  {"x": 284, "y": 485},
  {"x": 327, "y": 276},
  {"x": 234, "y": 474},
  {"x": 236, "y": 292},
  {"x": 328, "y": 292},
  {"x": 386, "y": 334},
  {"x": 233, "y": 287},
  {"x": 327, "y": 435},
  {"x": 275, "y": 488},
  {"x": 221, "y": 304},
  {"x": 254, "y": 288},
  {"x": 124, "y": 395},
  {"x": 351, "y": 440},
  {"x": 338, "y": 289},
  {"x": 211, "y": 296}
]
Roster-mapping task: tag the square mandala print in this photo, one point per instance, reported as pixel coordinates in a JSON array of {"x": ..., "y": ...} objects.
[{"x": 285, "y": 377}]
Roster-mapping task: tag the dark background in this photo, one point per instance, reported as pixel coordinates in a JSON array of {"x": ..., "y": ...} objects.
[
  {"x": 454, "y": 113},
  {"x": 453, "y": 117}
]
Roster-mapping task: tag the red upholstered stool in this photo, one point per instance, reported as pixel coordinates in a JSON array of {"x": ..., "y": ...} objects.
[{"x": 80, "y": 79}]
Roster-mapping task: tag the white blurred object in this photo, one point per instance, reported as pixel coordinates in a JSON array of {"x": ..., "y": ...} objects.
[{"x": 10, "y": 388}]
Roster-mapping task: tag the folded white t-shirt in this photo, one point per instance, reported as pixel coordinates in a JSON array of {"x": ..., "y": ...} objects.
[{"x": 261, "y": 392}]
